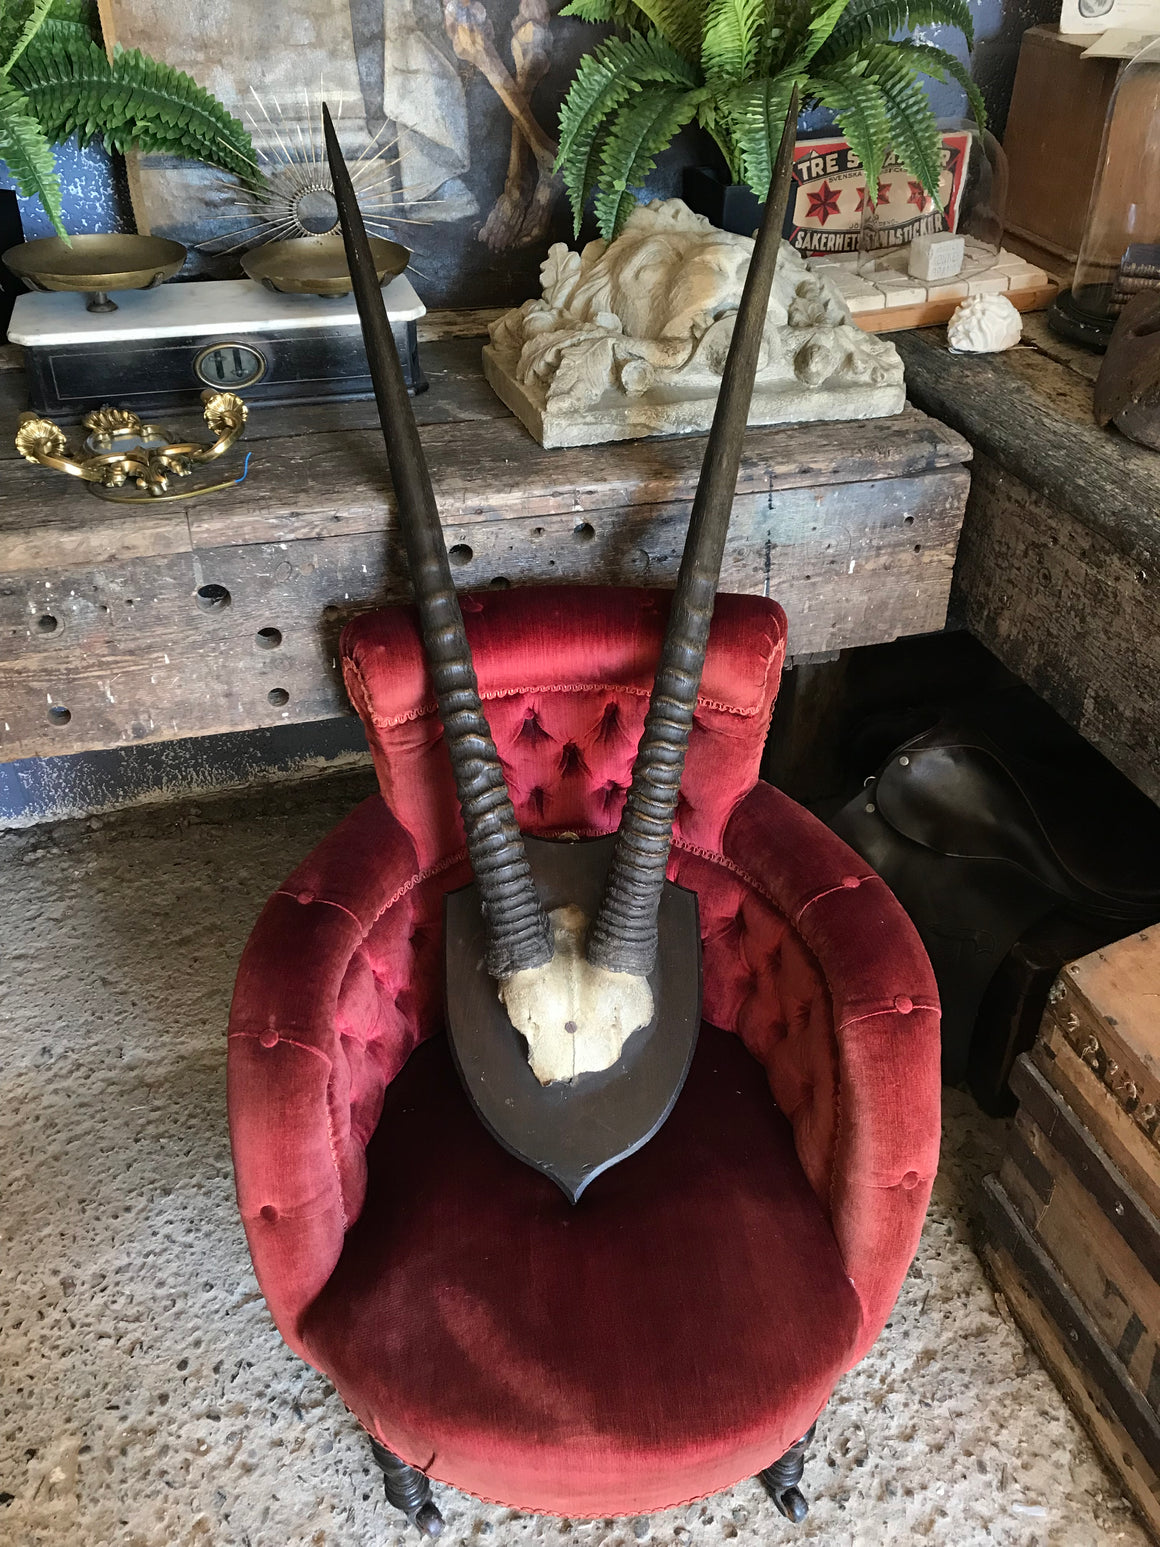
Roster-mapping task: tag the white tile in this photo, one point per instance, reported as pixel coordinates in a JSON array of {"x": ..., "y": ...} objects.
[
  {"x": 901, "y": 292},
  {"x": 869, "y": 301},
  {"x": 952, "y": 292},
  {"x": 1030, "y": 278},
  {"x": 989, "y": 283}
]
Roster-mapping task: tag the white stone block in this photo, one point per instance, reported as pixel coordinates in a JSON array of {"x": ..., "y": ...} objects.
[
  {"x": 990, "y": 282},
  {"x": 900, "y": 291},
  {"x": 937, "y": 256},
  {"x": 866, "y": 301},
  {"x": 955, "y": 291}
]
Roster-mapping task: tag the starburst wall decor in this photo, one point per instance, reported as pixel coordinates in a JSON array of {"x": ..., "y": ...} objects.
[{"x": 295, "y": 197}]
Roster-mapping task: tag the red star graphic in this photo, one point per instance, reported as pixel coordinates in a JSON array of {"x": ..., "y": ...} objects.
[
  {"x": 823, "y": 204},
  {"x": 883, "y": 197},
  {"x": 918, "y": 196}
]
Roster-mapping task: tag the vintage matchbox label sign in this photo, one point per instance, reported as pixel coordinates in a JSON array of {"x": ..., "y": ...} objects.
[{"x": 829, "y": 195}]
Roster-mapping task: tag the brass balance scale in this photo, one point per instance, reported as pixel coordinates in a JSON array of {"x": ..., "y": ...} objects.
[{"x": 288, "y": 333}]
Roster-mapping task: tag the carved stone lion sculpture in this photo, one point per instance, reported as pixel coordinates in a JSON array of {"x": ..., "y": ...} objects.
[{"x": 629, "y": 338}]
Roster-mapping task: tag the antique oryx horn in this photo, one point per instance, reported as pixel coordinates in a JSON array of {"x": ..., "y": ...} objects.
[
  {"x": 518, "y": 933},
  {"x": 609, "y": 1010}
]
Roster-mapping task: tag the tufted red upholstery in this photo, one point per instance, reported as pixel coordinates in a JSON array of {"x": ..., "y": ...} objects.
[{"x": 808, "y": 959}]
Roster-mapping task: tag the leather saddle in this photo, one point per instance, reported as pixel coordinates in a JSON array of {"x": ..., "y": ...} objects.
[{"x": 980, "y": 839}]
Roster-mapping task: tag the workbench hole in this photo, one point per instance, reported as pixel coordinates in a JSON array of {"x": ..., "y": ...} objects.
[
  {"x": 59, "y": 715},
  {"x": 918, "y": 547},
  {"x": 908, "y": 520},
  {"x": 278, "y": 697},
  {"x": 212, "y": 598},
  {"x": 501, "y": 583},
  {"x": 268, "y": 638},
  {"x": 461, "y": 554},
  {"x": 537, "y": 533},
  {"x": 47, "y": 624},
  {"x": 584, "y": 533}
]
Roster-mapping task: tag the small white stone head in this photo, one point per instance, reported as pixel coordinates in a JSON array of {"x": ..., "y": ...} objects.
[{"x": 983, "y": 325}]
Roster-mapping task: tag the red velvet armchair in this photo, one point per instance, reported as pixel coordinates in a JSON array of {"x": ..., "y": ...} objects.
[{"x": 684, "y": 1324}]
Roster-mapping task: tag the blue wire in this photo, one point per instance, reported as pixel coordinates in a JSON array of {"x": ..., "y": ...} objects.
[{"x": 245, "y": 467}]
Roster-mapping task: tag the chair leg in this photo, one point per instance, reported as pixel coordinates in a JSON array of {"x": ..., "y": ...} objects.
[
  {"x": 408, "y": 1489},
  {"x": 782, "y": 1478}
]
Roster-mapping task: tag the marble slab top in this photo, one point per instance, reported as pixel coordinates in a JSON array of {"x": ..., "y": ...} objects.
[{"x": 212, "y": 308}]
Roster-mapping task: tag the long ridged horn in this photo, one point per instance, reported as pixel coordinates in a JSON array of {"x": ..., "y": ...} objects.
[
  {"x": 518, "y": 930},
  {"x": 623, "y": 936}
]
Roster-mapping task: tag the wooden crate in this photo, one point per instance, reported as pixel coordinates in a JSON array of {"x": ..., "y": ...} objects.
[
  {"x": 1054, "y": 128},
  {"x": 1072, "y": 1223},
  {"x": 223, "y": 613}
]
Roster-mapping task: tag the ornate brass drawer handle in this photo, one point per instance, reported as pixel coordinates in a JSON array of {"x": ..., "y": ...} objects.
[{"x": 121, "y": 447}]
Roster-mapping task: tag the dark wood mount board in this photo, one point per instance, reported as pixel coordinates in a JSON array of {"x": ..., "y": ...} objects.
[
  {"x": 1059, "y": 565},
  {"x": 853, "y": 527}
]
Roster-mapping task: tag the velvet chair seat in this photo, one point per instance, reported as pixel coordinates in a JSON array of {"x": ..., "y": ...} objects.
[
  {"x": 683, "y": 1325},
  {"x": 630, "y": 1353}
]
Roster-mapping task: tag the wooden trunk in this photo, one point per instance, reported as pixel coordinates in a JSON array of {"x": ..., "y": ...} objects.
[
  {"x": 1073, "y": 1221},
  {"x": 223, "y": 613}
]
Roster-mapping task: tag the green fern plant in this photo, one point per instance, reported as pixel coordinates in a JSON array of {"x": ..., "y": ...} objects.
[
  {"x": 731, "y": 65},
  {"x": 56, "y": 81}
]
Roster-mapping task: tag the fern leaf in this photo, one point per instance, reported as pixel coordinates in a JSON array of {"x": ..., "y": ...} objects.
[
  {"x": 874, "y": 21},
  {"x": 603, "y": 81},
  {"x": 643, "y": 128},
  {"x": 131, "y": 101},
  {"x": 731, "y": 38},
  {"x": 31, "y": 27},
  {"x": 821, "y": 28},
  {"x": 756, "y": 114},
  {"x": 942, "y": 65},
  {"x": 914, "y": 132},
  {"x": 860, "y": 109},
  {"x": 28, "y": 155},
  {"x": 678, "y": 21}
]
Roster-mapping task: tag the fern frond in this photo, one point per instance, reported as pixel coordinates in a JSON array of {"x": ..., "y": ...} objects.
[
  {"x": 860, "y": 109},
  {"x": 820, "y": 29},
  {"x": 756, "y": 115},
  {"x": 874, "y": 21},
  {"x": 731, "y": 37},
  {"x": 914, "y": 132},
  {"x": 643, "y": 128},
  {"x": 942, "y": 65},
  {"x": 25, "y": 149},
  {"x": 678, "y": 21},
  {"x": 32, "y": 25},
  {"x": 603, "y": 81},
  {"x": 621, "y": 13},
  {"x": 131, "y": 101}
]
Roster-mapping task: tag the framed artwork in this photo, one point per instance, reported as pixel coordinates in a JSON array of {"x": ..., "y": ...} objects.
[{"x": 446, "y": 112}]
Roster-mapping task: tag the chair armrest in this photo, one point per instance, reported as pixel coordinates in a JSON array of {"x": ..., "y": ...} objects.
[
  {"x": 314, "y": 1040},
  {"x": 885, "y": 1018}
]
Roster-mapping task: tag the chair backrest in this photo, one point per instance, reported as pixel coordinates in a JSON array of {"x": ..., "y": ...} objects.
[{"x": 565, "y": 674}]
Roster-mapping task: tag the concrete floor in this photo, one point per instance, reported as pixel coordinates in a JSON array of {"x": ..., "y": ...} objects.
[{"x": 145, "y": 1399}]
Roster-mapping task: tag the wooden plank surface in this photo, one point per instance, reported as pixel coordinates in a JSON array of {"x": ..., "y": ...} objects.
[
  {"x": 930, "y": 313},
  {"x": 1068, "y": 609},
  {"x": 130, "y": 650},
  {"x": 1032, "y": 416},
  {"x": 108, "y": 635}
]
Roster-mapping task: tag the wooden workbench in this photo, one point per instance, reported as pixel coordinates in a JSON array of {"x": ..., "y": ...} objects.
[
  {"x": 1059, "y": 565},
  {"x": 122, "y": 625}
]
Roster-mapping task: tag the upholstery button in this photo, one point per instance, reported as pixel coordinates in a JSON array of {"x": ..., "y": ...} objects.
[
  {"x": 269, "y": 1213},
  {"x": 269, "y": 1039},
  {"x": 908, "y": 1181},
  {"x": 903, "y": 1004},
  {"x": 851, "y": 881},
  {"x": 305, "y": 897}
]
